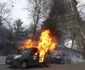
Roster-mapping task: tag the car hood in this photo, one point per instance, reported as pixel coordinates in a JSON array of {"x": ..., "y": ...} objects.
[{"x": 11, "y": 56}]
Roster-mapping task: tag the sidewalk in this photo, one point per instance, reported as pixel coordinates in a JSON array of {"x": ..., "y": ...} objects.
[{"x": 2, "y": 60}]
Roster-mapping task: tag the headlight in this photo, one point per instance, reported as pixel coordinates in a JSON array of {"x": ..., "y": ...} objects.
[{"x": 17, "y": 56}]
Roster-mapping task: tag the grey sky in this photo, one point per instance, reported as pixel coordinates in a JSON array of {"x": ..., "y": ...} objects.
[
  {"x": 17, "y": 9},
  {"x": 19, "y": 12},
  {"x": 82, "y": 1}
]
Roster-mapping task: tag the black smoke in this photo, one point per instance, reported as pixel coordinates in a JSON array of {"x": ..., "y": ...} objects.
[{"x": 52, "y": 26}]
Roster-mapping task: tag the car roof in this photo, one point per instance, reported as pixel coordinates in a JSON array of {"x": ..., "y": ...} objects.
[{"x": 30, "y": 48}]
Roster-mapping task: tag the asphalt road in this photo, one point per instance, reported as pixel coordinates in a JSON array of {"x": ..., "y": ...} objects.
[
  {"x": 80, "y": 66},
  {"x": 77, "y": 66}
]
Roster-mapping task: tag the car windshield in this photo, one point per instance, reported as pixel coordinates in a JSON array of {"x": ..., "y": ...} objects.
[
  {"x": 56, "y": 54},
  {"x": 25, "y": 51}
]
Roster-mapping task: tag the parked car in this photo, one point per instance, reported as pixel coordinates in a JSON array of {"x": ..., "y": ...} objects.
[
  {"x": 60, "y": 58},
  {"x": 26, "y": 58}
]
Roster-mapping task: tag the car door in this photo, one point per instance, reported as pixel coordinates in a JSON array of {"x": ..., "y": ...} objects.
[{"x": 34, "y": 58}]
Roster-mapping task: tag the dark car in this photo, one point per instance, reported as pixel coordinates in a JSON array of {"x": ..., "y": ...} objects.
[
  {"x": 27, "y": 58},
  {"x": 60, "y": 58}
]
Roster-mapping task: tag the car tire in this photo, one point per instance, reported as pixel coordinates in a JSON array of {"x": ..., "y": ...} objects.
[
  {"x": 62, "y": 61},
  {"x": 69, "y": 61},
  {"x": 47, "y": 64},
  {"x": 24, "y": 65}
]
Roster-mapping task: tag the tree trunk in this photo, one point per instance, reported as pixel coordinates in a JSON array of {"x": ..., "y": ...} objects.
[
  {"x": 83, "y": 51},
  {"x": 72, "y": 44}
]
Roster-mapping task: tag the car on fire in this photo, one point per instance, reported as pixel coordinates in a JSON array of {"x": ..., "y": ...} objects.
[{"x": 26, "y": 58}]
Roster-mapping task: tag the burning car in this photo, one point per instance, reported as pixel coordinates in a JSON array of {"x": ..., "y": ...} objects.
[
  {"x": 45, "y": 44},
  {"x": 27, "y": 57}
]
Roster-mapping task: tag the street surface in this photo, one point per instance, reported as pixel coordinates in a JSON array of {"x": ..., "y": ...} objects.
[
  {"x": 52, "y": 67},
  {"x": 78, "y": 66}
]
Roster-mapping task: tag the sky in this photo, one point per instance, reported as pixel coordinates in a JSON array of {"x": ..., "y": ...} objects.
[
  {"x": 81, "y": 1},
  {"x": 18, "y": 10}
]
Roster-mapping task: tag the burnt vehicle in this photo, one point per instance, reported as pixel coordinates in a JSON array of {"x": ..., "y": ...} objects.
[
  {"x": 60, "y": 58},
  {"x": 27, "y": 58}
]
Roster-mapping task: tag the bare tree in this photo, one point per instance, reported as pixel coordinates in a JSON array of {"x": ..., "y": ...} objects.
[
  {"x": 18, "y": 30},
  {"x": 39, "y": 11},
  {"x": 4, "y": 12}
]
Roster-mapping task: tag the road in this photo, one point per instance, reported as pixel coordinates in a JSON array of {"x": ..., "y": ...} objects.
[
  {"x": 77, "y": 66},
  {"x": 80, "y": 66}
]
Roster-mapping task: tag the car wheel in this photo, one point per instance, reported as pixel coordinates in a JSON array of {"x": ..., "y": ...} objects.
[
  {"x": 47, "y": 64},
  {"x": 13, "y": 66},
  {"x": 69, "y": 61},
  {"x": 24, "y": 65},
  {"x": 62, "y": 61}
]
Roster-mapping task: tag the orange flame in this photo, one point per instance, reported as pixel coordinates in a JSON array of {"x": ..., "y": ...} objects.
[{"x": 46, "y": 42}]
